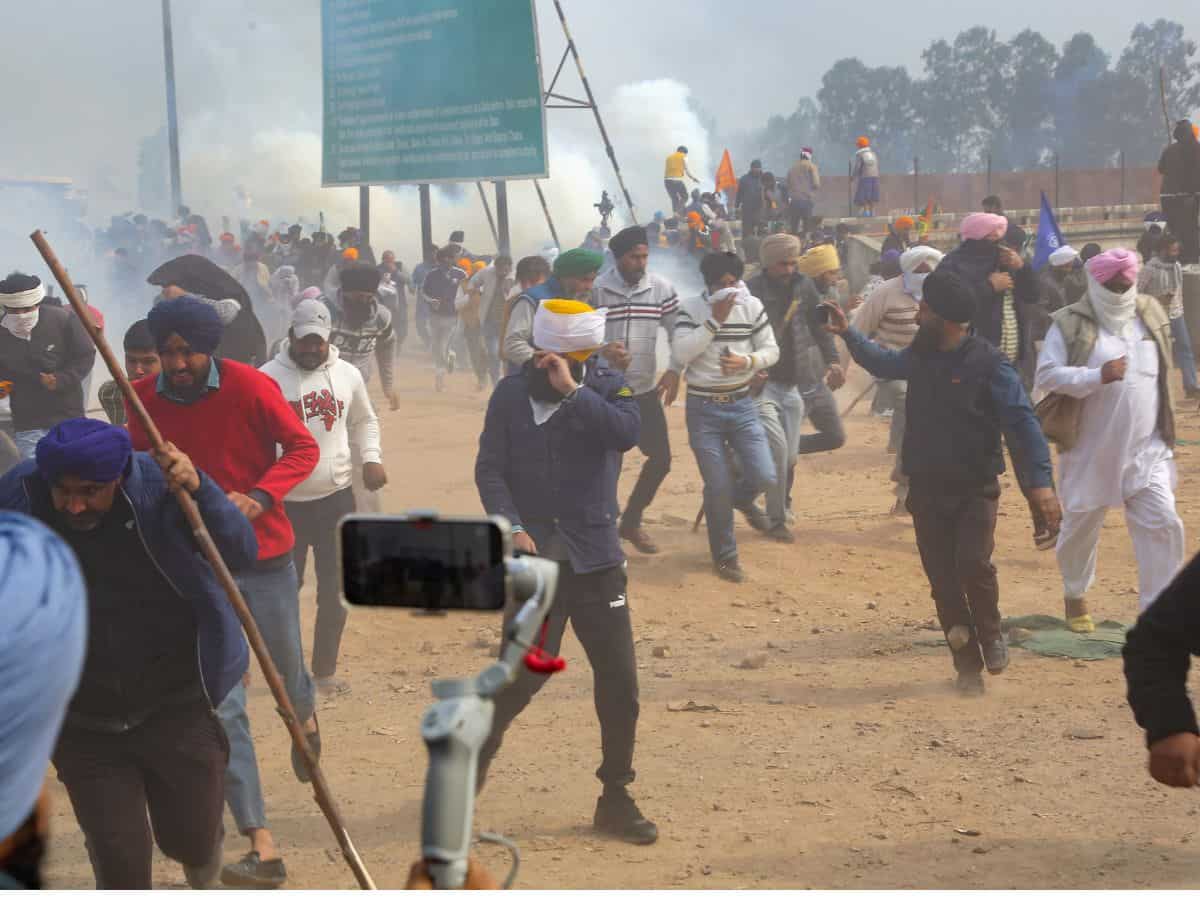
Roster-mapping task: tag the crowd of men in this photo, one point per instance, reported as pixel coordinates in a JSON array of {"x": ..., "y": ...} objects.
[{"x": 268, "y": 424}]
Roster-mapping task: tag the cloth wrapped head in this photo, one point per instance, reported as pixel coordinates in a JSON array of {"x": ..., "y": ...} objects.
[
  {"x": 19, "y": 291},
  {"x": 819, "y": 260},
  {"x": 949, "y": 296},
  {"x": 350, "y": 254},
  {"x": 85, "y": 448},
  {"x": 912, "y": 258},
  {"x": 1108, "y": 265},
  {"x": 863, "y": 141},
  {"x": 983, "y": 227},
  {"x": 577, "y": 263},
  {"x": 194, "y": 320},
  {"x": 570, "y": 327},
  {"x": 361, "y": 278},
  {"x": 777, "y": 248},
  {"x": 43, "y": 638},
  {"x": 889, "y": 264},
  {"x": 626, "y": 239},
  {"x": 905, "y": 223},
  {"x": 1064, "y": 256}
]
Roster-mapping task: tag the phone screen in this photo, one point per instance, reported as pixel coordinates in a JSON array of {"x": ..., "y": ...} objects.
[{"x": 423, "y": 564}]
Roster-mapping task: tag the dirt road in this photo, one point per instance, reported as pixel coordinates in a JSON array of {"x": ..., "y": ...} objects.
[{"x": 847, "y": 761}]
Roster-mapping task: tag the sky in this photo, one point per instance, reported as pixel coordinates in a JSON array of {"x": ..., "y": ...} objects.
[{"x": 84, "y": 82}]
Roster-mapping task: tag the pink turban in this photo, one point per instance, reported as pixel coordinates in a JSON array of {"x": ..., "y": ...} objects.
[
  {"x": 982, "y": 226},
  {"x": 1108, "y": 265}
]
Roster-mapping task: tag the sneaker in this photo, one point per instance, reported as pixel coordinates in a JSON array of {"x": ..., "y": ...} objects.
[
  {"x": 298, "y": 764},
  {"x": 617, "y": 815},
  {"x": 638, "y": 537},
  {"x": 970, "y": 684},
  {"x": 756, "y": 518},
  {"x": 731, "y": 570},
  {"x": 995, "y": 656},
  {"x": 330, "y": 686},
  {"x": 207, "y": 876},
  {"x": 252, "y": 872},
  {"x": 782, "y": 534}
]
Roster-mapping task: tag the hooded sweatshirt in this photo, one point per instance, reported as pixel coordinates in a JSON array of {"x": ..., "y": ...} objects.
[{"x": 332, "y": 402}]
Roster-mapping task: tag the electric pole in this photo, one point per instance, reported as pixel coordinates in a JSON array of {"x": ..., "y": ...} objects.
[{"x": 172, "y": 117}]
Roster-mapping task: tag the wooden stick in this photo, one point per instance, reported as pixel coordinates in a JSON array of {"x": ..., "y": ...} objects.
[
  {"x": 200, "y": 532},
  {"x": 849, "y": 409}
]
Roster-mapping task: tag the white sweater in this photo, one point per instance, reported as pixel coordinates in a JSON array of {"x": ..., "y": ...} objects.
[
  {"x": 332, "y": 401},
  {"x": 700, "y": 339}
]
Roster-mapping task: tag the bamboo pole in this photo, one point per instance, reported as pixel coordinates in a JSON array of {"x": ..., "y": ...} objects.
[{"x": 191, "y": 513}]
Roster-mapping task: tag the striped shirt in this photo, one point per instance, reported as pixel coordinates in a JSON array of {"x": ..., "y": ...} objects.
[
  {"x": 700, "y": 340},
  {"x": 635, "y": 313},
  {"x": 889, "y": 315}
]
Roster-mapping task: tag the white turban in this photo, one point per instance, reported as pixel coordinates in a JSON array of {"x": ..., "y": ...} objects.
[
  {"x": 570, "y": 327},
  {"x": 1064, "y": 255},
  {"x": 912, "y": 258},
  {"x": 23, "y": 299}
]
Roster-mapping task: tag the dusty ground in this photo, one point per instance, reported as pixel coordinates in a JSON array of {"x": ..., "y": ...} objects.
[{"x": 846, "y": 762}]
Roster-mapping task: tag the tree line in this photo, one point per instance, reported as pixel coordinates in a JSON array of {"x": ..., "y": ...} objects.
[{"x": 1023, "y": 102}]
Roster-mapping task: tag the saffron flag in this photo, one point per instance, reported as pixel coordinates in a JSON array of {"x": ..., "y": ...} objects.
[
  {"x": 1049, "y": 238},
  {"x": 726, "y": 180}
]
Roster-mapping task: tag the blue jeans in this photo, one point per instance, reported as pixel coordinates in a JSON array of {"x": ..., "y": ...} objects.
[
  {"x": 781, "y": 409},
  {"x": 712, "y": 426},
  {"x": 1185, "y": 359},
  {"x": 26, "y": 441},
  {"x": 274, "y": 599}
]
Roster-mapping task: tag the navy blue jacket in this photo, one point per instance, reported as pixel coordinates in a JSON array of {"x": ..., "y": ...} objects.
[
  {"x": 221, "y": 647},
  {"x": 959, "y": 404},
  {"x": 561, "y": 475}
]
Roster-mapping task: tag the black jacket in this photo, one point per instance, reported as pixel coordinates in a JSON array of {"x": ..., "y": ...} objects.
[
  {"x": 1158, "y": 652},
  {"x": 1180, "y": 163},
  {"x": 975, "y": 261},
  {"x": 60, "y": 346},
  {"x": 561, "y": 475}
]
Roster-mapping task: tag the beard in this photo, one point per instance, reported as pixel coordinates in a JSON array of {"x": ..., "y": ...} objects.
[
  {"x": 540, "y": 388},
  {"x": 927, "y": 340}
]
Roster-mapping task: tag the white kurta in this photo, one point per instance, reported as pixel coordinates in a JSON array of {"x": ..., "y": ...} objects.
[
  {"x": 1120, "y": 459},
  {"x": 1119, "y": 445}
]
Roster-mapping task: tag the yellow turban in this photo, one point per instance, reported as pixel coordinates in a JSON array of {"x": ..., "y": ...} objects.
[
  {"x": 819, "y": 260},
  {"x": 570, "y": 327}
]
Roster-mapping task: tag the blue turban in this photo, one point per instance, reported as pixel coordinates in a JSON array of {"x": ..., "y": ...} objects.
[
  {"x": 86, "y": 448},
  {"x": 43, "y": 636},
  {"x": 189, "y": 317}
]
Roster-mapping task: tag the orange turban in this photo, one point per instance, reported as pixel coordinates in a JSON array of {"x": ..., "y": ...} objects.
[
  {"x": 863, "y": 142},
  {"x": 350, "y": 253},
  {"x": 905, "y": 223}
]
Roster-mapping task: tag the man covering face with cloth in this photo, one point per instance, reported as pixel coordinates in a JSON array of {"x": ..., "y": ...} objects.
[{"x": 548, "y": 462}]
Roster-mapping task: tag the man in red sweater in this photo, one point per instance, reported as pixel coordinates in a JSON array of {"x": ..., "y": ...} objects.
[{"x": 229, "y": 417}]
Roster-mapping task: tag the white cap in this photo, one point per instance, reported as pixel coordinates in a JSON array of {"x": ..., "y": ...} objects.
[
  {"x": 1064, "y": 255},
  {"x": 311, "y": 317}
]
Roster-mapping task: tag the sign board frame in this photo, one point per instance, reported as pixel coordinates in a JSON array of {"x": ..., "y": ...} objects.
[{"x": 326, "y": 138}]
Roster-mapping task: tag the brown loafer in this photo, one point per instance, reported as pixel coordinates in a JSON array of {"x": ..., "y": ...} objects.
[{"x": 639, "y": 539}]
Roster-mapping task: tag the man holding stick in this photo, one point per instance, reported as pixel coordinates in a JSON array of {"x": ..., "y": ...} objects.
[
  {"x": 164, "y": 647},
  {"x": 195, "y": 398}
]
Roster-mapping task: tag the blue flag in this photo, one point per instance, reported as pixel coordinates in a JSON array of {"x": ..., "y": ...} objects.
[{"x": 1049, "y": 238}]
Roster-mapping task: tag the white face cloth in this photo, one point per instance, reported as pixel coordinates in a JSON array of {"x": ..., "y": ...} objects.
[
  {"x": 1115, "y": 311},
  {"x": 738, "y": 290},
  {"x": 568, "y": 332},
  {"x": 911, "y": 260},
  {"x": 914, "y": 284},
  {"x": 21, "y": 324}
]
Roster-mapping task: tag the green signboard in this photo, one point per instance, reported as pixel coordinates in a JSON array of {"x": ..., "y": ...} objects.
[{"x": 431, "y": 90}]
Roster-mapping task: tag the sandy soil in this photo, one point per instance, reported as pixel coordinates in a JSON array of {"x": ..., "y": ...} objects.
[{"x": 847, "y": 761}]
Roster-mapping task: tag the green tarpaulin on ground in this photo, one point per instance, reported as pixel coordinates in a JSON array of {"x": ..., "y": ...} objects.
[{"x": 1049, "y": 636}]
